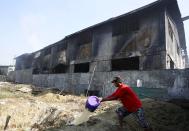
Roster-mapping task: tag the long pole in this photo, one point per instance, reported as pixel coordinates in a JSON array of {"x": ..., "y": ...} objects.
[
  {"x": 90, "y": 81},
  {"x": 185, "y": 18}
]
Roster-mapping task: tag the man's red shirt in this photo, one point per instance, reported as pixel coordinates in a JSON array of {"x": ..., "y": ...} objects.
[{"x": 127, "y": 97}]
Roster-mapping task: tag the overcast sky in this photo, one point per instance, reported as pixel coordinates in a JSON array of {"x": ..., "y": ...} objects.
[{"x": 29, "y": 25}]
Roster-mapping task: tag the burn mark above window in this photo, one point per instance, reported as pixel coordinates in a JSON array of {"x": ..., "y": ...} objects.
[
  {"x": 85, "y": 37},
  {"x": 61, "y": 46},
  {"x": 84, "y": 51},
  {"x": 47, "y": 51},
  {"x": 84, "y": 45},
  {"x": 125, "y": 26}
]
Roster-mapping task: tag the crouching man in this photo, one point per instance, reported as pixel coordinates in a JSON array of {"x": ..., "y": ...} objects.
[{"x": 130, "y": 101}]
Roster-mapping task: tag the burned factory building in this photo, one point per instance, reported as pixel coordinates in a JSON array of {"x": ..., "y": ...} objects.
[{"x": 149, "y": 38}]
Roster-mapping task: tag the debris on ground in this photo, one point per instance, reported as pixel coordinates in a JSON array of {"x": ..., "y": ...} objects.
[
  {"x": 48, "y": 111},
  {"x": 25, "y": 90}
]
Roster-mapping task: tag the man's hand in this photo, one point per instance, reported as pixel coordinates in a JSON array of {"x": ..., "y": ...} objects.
[{"x": 102, "y": 100}]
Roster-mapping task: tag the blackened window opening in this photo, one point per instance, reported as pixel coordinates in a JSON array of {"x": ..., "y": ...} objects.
[
  {"x": 45, "y": 70},
  {"x": 36, "y": 71},
  {"x": 81, "y": 68},
  {"x": 125, "y": 64},
  {"x": 60, "y": 68}
]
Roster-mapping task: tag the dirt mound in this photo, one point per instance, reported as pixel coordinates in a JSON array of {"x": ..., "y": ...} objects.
[{"x": 162, "y": 116}]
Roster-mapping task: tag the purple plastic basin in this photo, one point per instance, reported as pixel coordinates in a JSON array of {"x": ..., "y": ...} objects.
[{"x": 92, "y": 103}]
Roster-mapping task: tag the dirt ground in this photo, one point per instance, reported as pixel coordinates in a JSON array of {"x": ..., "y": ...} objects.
[{"x": 53, "y": 112}]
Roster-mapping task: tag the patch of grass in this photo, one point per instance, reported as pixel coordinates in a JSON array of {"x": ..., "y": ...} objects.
[
  {"x": 12, "y": 94},
  {"x": 9, "y": 90},
  {"x": 6, "y": 94}
]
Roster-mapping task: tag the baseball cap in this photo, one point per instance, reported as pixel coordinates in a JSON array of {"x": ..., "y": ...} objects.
[{"x": 117, "y": 79}]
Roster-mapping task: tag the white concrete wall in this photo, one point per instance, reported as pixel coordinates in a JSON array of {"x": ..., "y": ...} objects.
[{"x": 77, "y": 83}]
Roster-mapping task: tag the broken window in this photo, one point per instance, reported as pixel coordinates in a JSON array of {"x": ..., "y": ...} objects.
[
  {"x": 81, "y": 68},
  {"x": 125, "y": 64},
  {"x": 60, "y": 68}
]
